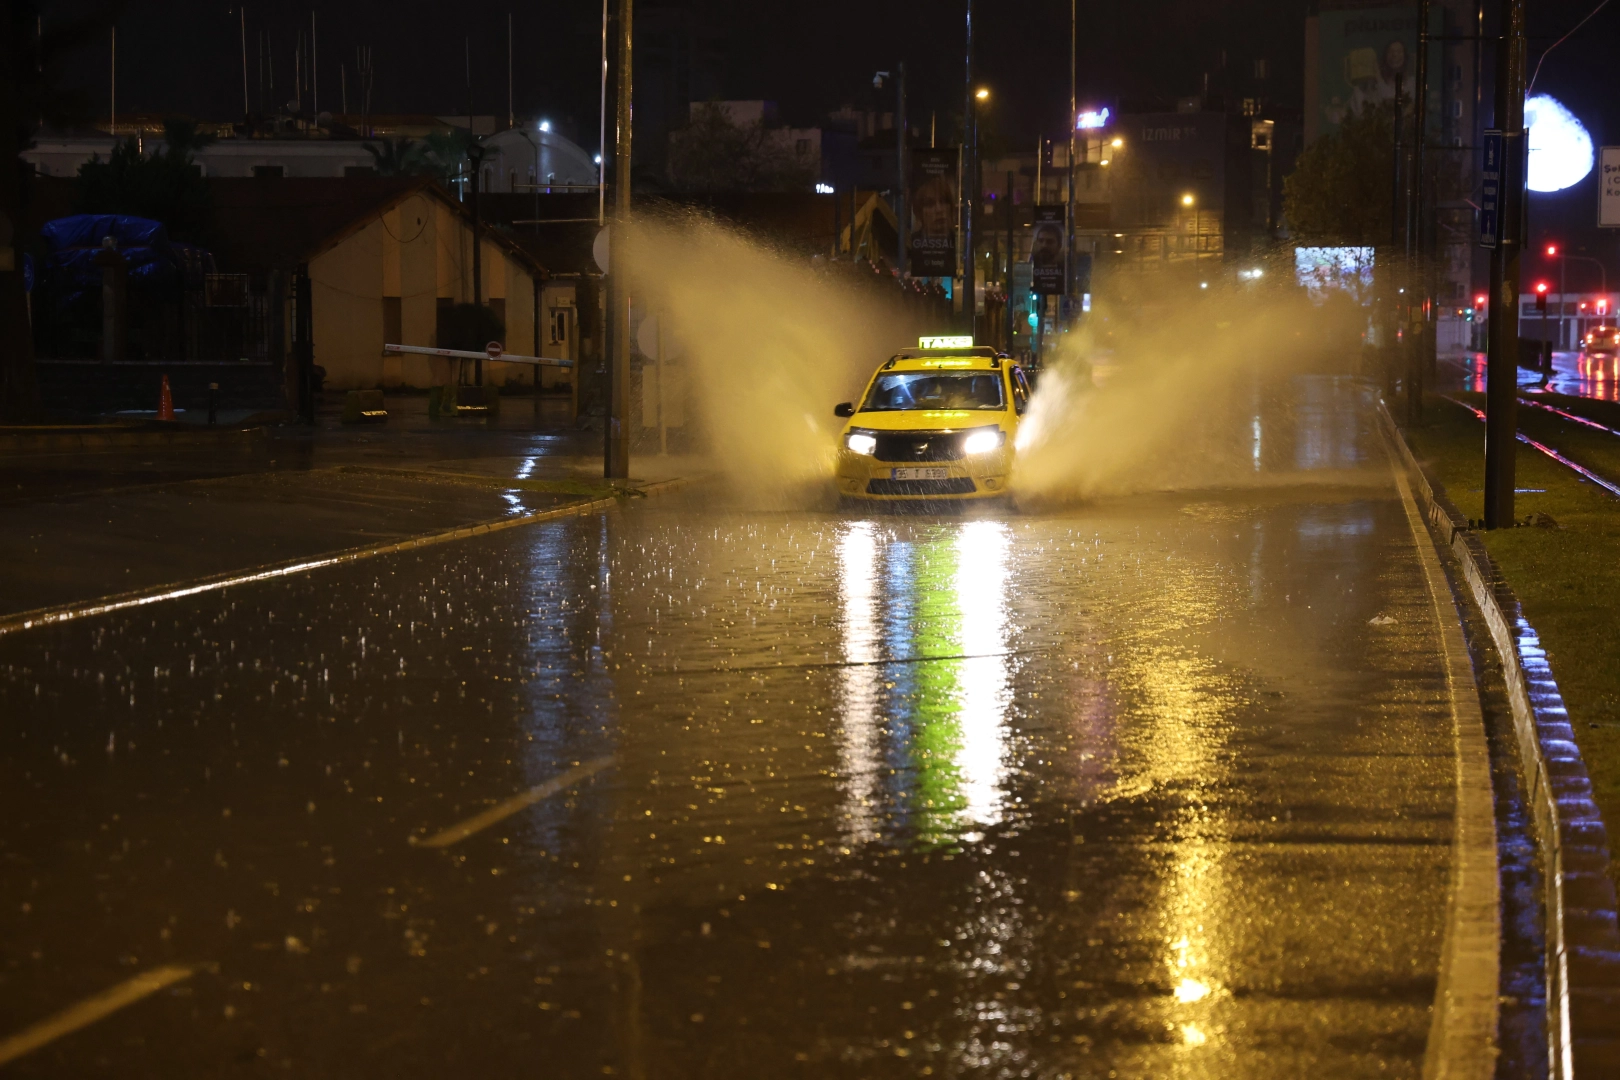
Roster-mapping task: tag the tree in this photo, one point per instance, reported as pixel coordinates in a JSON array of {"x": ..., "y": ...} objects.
[
  {"x": 1339, "y": 191},
  {"x": 713, "y": 153},
  {"x": 398, "y": 157},
  {"x": 166, "y": 186}
]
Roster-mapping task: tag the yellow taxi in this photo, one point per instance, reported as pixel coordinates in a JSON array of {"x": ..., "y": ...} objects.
[{"x": 936, "y": 422}]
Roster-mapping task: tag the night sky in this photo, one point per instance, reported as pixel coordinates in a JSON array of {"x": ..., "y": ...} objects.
[{"x": 184, "y": 56}]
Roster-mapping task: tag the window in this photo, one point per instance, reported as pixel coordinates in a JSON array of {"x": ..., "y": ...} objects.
[
  {"x": 802, "y": 147},
  {"x": 393, "y": 320},
  {"x": 559, "y": 326},
  {"x": 953, "y": 390},
  {"x": 268, "y": 172}
]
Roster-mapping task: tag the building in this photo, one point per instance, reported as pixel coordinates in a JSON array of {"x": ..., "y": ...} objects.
[
  {"x": 334, "y": 150},
  {"x": 387, "y": 257},
  {"x": 532, "y": 157}
]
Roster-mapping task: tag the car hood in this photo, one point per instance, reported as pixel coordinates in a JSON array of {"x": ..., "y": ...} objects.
[{"x": 927, "y": 419}]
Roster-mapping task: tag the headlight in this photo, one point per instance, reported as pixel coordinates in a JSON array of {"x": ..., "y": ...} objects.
[
  {"x": 861, "y": 444},
  {"x": 982, "y": 442}
]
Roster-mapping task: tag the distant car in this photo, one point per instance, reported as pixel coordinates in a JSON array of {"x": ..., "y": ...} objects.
[
  {"x": 1602, "y": 341},
  {"x": 934, "y": 423}
]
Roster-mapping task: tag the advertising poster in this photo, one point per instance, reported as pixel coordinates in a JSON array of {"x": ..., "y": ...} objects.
[
  {"x": 1365, "y": 54},
  {"x": 934, "y": 212},
  {"x": 1046, "y": 250}
]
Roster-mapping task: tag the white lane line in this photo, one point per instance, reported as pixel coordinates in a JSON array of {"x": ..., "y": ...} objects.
[
  {"x": 46, "y": 616},
  {"x": 504, "y": 810},
  {"x": 1462, "y": 1035},
  {"x": 90, "y": 1010}
]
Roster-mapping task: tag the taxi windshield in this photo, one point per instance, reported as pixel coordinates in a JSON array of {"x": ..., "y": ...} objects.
[{"x": 894, "y": 391}]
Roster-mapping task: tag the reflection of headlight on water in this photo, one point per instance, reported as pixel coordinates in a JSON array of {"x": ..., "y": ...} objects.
[
  {"x": 982, "y": 442},
  {"x": 861, "y": 444}
]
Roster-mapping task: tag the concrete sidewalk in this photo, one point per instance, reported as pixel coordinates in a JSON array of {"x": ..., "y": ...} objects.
[{"x": 80, "y": 525}]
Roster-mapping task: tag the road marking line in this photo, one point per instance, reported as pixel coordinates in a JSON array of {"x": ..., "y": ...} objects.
[
  {"x": 1462, "y": 1035},
  {"x": 91, "y": 1009},
  {"x": 27, "y": 620},
  {"x": 504, "y": 810}
]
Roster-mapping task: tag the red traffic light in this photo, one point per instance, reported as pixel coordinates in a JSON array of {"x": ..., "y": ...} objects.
[
  {"x": 1552, "y": 249},
  {"x": 1541, "y": 287},
  {"x": 1479, "y": 301}
]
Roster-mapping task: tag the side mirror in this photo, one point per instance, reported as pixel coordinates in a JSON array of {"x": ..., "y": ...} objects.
[{"x": 844, "y": 408}]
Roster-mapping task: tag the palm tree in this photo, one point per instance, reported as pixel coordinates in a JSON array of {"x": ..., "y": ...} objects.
[{"x": 397, "y": 157}]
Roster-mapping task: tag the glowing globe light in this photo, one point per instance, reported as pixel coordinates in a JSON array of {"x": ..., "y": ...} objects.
[{"x": 1560, "y": 148}]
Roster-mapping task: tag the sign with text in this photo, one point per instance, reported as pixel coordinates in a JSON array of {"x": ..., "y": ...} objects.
[
  {"x": 934, "y": 212},
  {"x": 1609, "y": 188},
  {"x": 1490, "y": 192},
  {"x": 1046, "y": 251}
]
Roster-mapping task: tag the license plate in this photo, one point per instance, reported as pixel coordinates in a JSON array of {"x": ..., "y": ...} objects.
[{"x": 935, "y": 473}]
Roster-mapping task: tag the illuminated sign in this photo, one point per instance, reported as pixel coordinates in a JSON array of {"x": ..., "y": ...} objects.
[
  {"x": 945, "y": 342},
  {"x": 1092, "y": 118},
  {"x": 824, "y": 189}
]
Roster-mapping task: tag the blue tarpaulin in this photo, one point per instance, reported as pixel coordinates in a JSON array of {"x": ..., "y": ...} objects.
[{"x": 71, "y": 245}]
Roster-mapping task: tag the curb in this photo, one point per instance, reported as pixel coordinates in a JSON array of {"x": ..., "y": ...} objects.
[
  {"x": 1582, "y": 932},
  {"x": 1467, "y": 1014},
  {"x": 28, "y": 620},
  {"x": 90, "y": 439}
]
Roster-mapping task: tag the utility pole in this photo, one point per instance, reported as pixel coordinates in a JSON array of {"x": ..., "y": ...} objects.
[
  {"x": 970, "y": 147},
  {"x": 1418, "y": 271},
  {"x": 1068, "y": 231},
  {"x": 617, "y": 448},
  {"x": 247, "y": 109},
  {"x": 1502, "y": 346},
  {"x": 1008, "y": 288},
  {"x": 901, "y": 212}
]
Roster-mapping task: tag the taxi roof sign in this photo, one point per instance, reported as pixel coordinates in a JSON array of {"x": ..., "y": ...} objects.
[{"x": 957, "y": 342}]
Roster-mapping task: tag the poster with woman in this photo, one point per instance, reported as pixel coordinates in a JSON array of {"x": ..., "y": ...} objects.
[{"x": 934, "y": 212}]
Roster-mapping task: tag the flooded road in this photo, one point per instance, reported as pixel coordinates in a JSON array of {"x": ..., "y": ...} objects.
[{"x": 1155, "y": 786}]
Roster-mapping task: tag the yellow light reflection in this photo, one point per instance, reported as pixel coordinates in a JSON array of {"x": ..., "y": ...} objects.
[
  {"x": 981, "y": 596},
  {"x": 1192, "y": 1035},
  {"x": 860, "y": 755},
  {"x": 1190, "y": 990}
]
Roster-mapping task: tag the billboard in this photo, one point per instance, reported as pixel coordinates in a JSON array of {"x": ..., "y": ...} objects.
[
  {"x": 1364, "y": 55},
  {"x": 934, "y": 212},
  {"x": 1046, "y": 250},
  {"x": 1320, "y": 269}
]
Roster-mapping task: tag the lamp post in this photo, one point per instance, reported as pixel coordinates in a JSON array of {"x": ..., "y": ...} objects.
[
  {"x": 970, "y": 204},
  {"x": 1198, "y": 231},
  {"x": 970, "y": 165},
  {"x": 1603, "y": 277},
  {"x": 902, "y": 219}
]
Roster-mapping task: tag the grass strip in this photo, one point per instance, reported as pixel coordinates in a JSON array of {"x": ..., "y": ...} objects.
[{"x": 1567, "y": 579}]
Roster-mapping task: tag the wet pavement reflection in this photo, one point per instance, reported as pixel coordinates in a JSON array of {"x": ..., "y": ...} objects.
[
  {"x": 1158, "y": 786},
  {"x": 1577, "y": 374}
]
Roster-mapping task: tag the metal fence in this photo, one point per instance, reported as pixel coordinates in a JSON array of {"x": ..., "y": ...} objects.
[{"x": 210, "y": 318}]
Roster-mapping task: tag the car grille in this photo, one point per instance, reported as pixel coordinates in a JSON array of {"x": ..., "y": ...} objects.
[
  {"x": 919, "y": 445},
  {"x": 956, "y": 485}
]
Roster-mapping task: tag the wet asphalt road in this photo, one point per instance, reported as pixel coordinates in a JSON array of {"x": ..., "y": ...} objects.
[{"x": 1159, "y": 786}]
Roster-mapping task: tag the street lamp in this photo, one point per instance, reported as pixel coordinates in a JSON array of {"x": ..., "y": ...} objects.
[
  {"x": 1198, "y": 231},
  {"x": 982, "y": 94}
]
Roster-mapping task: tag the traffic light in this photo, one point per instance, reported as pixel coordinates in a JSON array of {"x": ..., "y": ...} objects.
[
  {"x": 1552, "y": 250},
  {"x": 1541, "y": 297}
]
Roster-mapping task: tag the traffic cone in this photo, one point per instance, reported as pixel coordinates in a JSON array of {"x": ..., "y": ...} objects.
[{"x": 165, "y": 402}]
